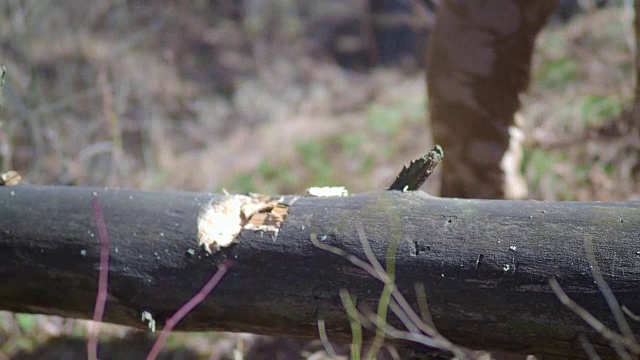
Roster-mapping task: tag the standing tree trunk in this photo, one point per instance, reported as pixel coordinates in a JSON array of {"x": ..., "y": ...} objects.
[
  {"x": 478, "y": 62},
  {"x": 636, "y": 103}
]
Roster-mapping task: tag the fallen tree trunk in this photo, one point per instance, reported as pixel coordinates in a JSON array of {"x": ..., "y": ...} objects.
[{"x": 485, "y": 265}]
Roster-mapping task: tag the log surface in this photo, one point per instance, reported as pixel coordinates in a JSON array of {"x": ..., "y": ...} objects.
[{"x": 485, "y": 264}]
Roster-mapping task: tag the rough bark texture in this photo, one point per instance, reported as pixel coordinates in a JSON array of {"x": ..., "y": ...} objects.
[
  {"x": 478, "y": 62},
  {"x": 485, "y": 264}
]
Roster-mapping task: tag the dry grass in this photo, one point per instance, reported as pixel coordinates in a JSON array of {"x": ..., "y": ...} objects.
[{"x": 133, "y": 106}]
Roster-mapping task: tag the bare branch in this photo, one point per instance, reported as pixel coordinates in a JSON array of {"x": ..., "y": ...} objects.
[{"x": 477, "y": 260}]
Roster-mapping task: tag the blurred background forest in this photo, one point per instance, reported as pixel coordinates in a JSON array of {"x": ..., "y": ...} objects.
[{"x": 275, "y": 97}]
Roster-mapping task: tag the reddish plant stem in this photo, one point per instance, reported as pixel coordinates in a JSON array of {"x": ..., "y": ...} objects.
[
  {"x": 187, "y": 307},
  {"x": 103, "y": 278}
]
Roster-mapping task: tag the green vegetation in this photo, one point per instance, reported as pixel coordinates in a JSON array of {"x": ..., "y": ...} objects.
[
  {"x": 315, "y": 158},
  {"x": 594, "y": 108},
  {"x": 385, "y": 120},
  {"x": 557, "y": 73},
  {"x": 583, "y": 82},
  {"x": 337, "y": 159},
  {"x": 542, "y": 170}
]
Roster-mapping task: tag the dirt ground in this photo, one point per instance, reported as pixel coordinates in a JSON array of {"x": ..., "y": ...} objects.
[{"x": 171, "y": 96}]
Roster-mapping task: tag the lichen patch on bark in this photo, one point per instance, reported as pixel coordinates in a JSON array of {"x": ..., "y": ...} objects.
[{"x": 220, "y": 222}]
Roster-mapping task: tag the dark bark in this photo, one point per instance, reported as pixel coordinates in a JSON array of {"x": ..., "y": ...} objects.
[{"x": 485, "y": 264}]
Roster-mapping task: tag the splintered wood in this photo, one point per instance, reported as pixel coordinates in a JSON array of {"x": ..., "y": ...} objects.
[
  {"x": 220, "y": 223},
  {"x": 10, "y": 178}
]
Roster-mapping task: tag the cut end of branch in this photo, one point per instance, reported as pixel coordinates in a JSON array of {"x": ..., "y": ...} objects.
[
  {"x": 220, "y": 223},
  {"x": 413, "y": 176}
]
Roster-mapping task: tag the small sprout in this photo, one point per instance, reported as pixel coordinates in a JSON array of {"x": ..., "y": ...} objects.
[
  {"x": 146, "y": 316},
  {"x": 506, "y": 267},
  {"x": 512, "y": 248},
  {"x": 83, "y": 252},
  {"x": 191, "y": 252}
]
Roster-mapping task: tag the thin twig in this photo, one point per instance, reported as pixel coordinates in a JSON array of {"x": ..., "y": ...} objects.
[
  {"x": 103, "y": 278},
  {"x": 399, "y": 305},
  {"x": 603, "y": 330},
  {"x": 393, "y": 352},
  {"x": 186, "y": 308},
  {"x": 337, "y": 251},
  {"x": 630, "y": 313},
  {"x": 404, "y": 317},
  {"x": 324, "y": 339},
  {"x": 371, "y": 321},
  {"x": 591, "y": 352},
  {"x": 423, "y": 305},
  {"x": 385, "y": 297},
  {"x": 354, "y": 322},
  {"x": 606, "y": 292},
  {"x": 382, "y": 275},
  {"x": 612, "y": 302}
]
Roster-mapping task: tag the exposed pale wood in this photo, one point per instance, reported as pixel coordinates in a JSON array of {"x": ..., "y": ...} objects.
[{"x": 485, "y": 264}]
